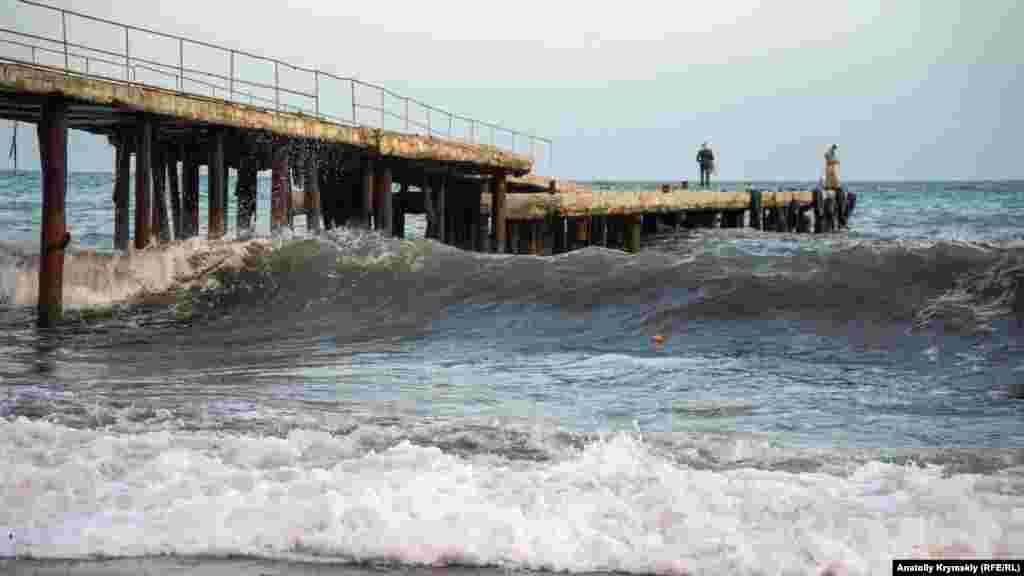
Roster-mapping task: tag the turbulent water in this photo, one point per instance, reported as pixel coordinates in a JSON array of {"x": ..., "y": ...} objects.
[{"x": 813, "y": 403}]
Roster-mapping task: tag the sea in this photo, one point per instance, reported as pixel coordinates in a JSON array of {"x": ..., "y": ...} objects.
[{"x": 725, "y": 401}]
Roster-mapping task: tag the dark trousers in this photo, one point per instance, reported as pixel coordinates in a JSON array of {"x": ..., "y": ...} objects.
[{"x": 705, "y": 175}]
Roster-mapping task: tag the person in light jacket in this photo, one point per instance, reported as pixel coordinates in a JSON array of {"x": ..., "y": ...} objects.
[{"x": 832, "y": 168}]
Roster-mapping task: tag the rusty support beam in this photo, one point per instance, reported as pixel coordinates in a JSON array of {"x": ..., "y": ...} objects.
[
  {"x": 174, "y": 187},
  {"x": 53, "y": 143},
  {"x": 215, "y": 185},
  {"x": 399, "y": 211},
  {"x": 190, "y": 190},
  {"x": 498, "y": 212},
  {"x": 143, "y": 178},
  {"x": 161, "y": 223},
  {"x": 441, "y": 193},
  {"x": 245, "y": 193},
  {"x": 366, "y": 189},
  {"x": 280, "y": 185},
  {"x": 122, "y": 185},
  {"x": 382, "y": 202},
  {"x": 312, "y": 188}
]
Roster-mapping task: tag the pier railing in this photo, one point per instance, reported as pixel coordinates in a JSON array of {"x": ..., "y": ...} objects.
[{"x": 191, "y": 66}]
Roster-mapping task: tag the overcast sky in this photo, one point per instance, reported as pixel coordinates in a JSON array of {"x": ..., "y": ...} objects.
[{"x": 627, "y": 90}]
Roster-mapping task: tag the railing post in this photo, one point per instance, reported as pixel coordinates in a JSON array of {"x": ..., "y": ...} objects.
[
  {"x": 407, "y": 114},
  {"x": 127, "y": 57},
  {"x": 277, "y": 91},
  {"x": 382, "y": 109},
  {"x": 231, "y": 79},
  {"x": 181, "y": 64},
  {"x": 429, "y": 131},
  {"x": 33, "y": 54},
  {"x": 86, "y": 65},
  {"x": 450, "y": 119},
  {"x": 64, "y": 31},
  {"x": 352, "y": 83},
  {"x": 316, "y": 92}
]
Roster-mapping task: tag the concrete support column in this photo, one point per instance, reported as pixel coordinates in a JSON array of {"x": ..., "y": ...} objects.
[
  {"x": 499, "y": 213},
  {"x": 143, "y": 179},
  {"x": 819, "y": 211},
  {"x": 481, "y": 242},
  {"x": 312, "y": 192},
  {"x": 756, "y": 210},
  {"x": 161, "y": 219},
  {"x": 398, "y": 212},
  {"x": 383, "y": 201},
  {"x": 216, "y": 171},
  {"x": 174, "y": 187},
  {"x": 190, "y": 190},
  {"x": 281, "y": 185},
  {"x": 634, "y": 225},
  {"x": 245, "y": 194},
  {"x": 53, "y": 143},
  {"x": 366, "y": 193},
  {"x": 444, "y": 233},
  {"x": 122, "y": 218}
]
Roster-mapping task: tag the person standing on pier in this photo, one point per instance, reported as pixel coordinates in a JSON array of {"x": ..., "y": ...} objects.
[
  {"x": 706, "y": 161},
  {"x": 832, "y": 168}
]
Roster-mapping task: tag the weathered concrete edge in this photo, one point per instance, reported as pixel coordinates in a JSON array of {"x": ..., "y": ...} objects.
[
  {"x": 533, "y": 206},
  {"x": 45, "y": 81}
]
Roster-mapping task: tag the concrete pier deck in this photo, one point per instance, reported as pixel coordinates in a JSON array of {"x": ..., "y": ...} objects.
[{"x": 105, "y": 106}]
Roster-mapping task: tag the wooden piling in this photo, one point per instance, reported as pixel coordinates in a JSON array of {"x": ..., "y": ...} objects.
[
  {"x": 281, "y": 189},
  {"x": 216, "y": 171},
  {"x": 830, "y": 214},
  {"x": 781, "y": 219},
  {"x": 479, "y": 220},
  {"x": 143, "y": 177},
  {"x": 499, "y": 211},
  {"x": 122, "y": 218},
  {"x": 52, "y": 132},
  {"x": 634, "y": 226},
  {"x": 441, "y": 195},
  {"x": 312, "y": 181},
  {"x": 161, "y": 218},
  {"x": 245, "y": 194},
  {"x": 756, "y": 211},
  {"x": 174, "y": 187}
]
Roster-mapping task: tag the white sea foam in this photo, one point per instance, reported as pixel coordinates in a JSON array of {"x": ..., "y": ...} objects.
[
  {"x": 92, "y": 279},
  {"x": 615, "y": 505}
]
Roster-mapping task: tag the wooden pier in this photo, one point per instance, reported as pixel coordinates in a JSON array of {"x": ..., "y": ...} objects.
[{"x": 475, "y": 195}]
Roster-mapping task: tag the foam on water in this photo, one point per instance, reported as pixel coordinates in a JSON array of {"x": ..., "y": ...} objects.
[
  {"x": 94, "y": 279},
  {"x": 616, "y": 504}
]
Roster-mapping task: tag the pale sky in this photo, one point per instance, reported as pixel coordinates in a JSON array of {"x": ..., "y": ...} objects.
[{"x": 910, "y": 90}]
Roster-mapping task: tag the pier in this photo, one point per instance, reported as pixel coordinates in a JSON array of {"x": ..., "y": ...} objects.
[{"x": 337, "y": 155}]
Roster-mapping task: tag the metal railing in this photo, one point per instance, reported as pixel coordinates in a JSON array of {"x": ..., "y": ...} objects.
[{"x": 355, "y": 102}]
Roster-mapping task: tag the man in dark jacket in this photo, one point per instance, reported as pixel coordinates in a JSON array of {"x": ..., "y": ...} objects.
[{"x": 706, "y": 161}]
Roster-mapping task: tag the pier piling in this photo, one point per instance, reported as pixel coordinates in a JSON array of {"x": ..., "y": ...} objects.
[
  {"x": 216, "y": 172},
  {"x": 122, "y": 219},
  {"x": 498, "y": 213},
  {"x": 143, "y": 177},
  {"x": 53, "y": 140},
  {"x": 281, "y": 188},
  {"x": 383, "y": 202},
  {"x": 312, "y": 188},
  {"x": 633, "y": 227},
  {"x": 161, "y": 223},
  {"x": 173, "y": 185},
  {"x": 756, "y": 212},
  {"x": 190, "y": 190},
  {"x": 245, "y": 193}
]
